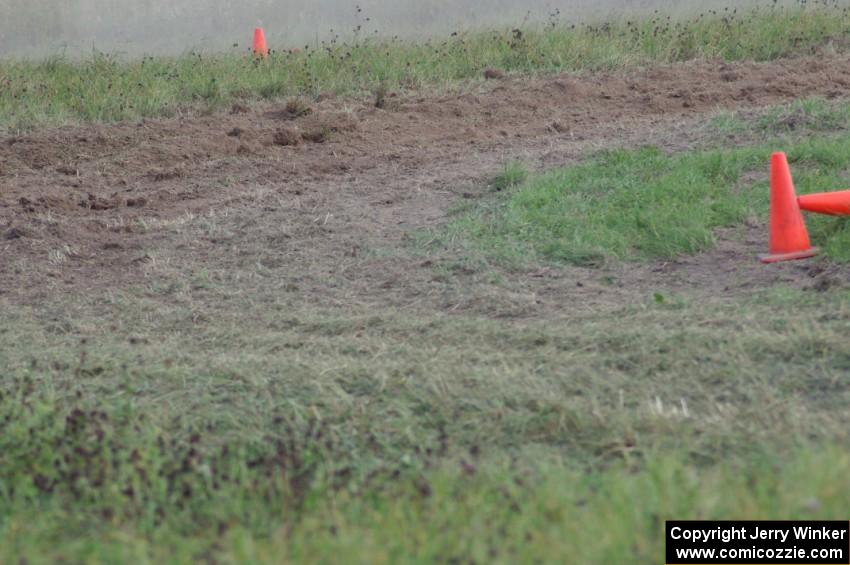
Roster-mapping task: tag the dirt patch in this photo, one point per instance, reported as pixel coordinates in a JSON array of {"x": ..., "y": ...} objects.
[{"x": 307, "y": 196}]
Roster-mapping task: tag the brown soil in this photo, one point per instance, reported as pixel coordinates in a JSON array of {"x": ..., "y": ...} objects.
[{"x": 324, "y": 194}]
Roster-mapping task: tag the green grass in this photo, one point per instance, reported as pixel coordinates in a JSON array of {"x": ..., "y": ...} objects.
[
  {"x": 809, "y": 115},
  {"x": 109, "y": 88},
  {"x": 554, "y": 515},
  {"x": 513, "y": 174},
  {"x": 643, "y": 204}
]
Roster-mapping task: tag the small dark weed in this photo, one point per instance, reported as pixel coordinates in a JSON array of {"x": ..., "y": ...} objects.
[
  {"x": 380, "y": 94},
  {"x": 317, "y": 135},
  {"x": 513, "y": 174},
  {"x": 296, "y": 107}
]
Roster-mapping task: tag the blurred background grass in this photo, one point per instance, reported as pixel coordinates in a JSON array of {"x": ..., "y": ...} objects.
[{"x": 106, "y": 87}]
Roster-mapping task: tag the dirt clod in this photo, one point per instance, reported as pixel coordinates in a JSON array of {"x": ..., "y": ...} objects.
[
  {"x": 317, "y": 135},
  {"x": 381, "y": 95},
  {"x": 295, "y": 108},
  {"x": 136, "y": 202},
  {"x": 825, "y": 283},
  {"x": 13, "y": 233},
  {"x": 66, "y": 170},
  {"x": 287, "y": 137},
  {"x": 159, "y": 175}
]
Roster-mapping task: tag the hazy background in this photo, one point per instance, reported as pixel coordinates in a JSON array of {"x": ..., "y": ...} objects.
[{"x": 35, "y": 28}]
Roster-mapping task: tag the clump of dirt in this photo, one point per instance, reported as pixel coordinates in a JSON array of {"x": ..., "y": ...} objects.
[
  {"x": 58, "y": 203},
  {"x": 295, "y": 108},
  {"x": 825, "y": 283},
  {"x": 334, "y": 122},
  {"x": 493, "y": 74},
  {"x": 67, "y": 170},
  {"x": 287, "y": 137},
  {"x": 317, "y": 135},
  {"x": 315, "y": 128},
  {"x": 136, "y": 202},
  {"x": 826, "y": 277},
  {"x": 93, "y": 202},
  {"x": 321, "y": 128},
  {"x": 159, "y": 175},
  {"x": 570, "y": 87},
  {"x": 15, "y": 233},
  {"x": 380, "y": 93}
]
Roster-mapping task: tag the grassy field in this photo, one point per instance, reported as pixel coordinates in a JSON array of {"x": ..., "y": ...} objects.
[
  {"x": 105, "y": 87},
  {"x": 211, "y": 413},
  {"x": 272, "y": 434},
  {"x": 191, "y": 418}
]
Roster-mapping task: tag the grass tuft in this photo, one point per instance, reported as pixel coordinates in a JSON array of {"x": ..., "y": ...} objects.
[{"x": 513, "y": 174}]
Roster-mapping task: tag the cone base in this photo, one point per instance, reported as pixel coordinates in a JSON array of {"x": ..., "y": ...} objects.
[{"x": 778, "y": 257}]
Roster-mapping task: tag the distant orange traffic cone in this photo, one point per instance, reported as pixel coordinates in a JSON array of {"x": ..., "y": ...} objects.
[
  {"x": 260, "y": 48},
  {"x": 829, "y": 203},
  {"x": 789, "y": 238}
]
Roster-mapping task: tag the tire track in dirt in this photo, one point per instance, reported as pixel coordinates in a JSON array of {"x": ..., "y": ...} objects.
[{"x": 310, "y": 190}]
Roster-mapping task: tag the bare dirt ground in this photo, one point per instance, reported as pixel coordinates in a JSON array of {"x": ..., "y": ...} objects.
[{"x": 323, "y": 195}]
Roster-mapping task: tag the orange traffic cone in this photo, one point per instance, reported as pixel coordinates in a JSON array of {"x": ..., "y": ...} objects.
[
  {"x": 789, "y": 239},
  {"x": 260, "y": 49},
  {"x": 829, "y": 203}
]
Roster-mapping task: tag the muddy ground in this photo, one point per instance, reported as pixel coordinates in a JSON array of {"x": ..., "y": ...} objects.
[{"x": 319, "y": 199}]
